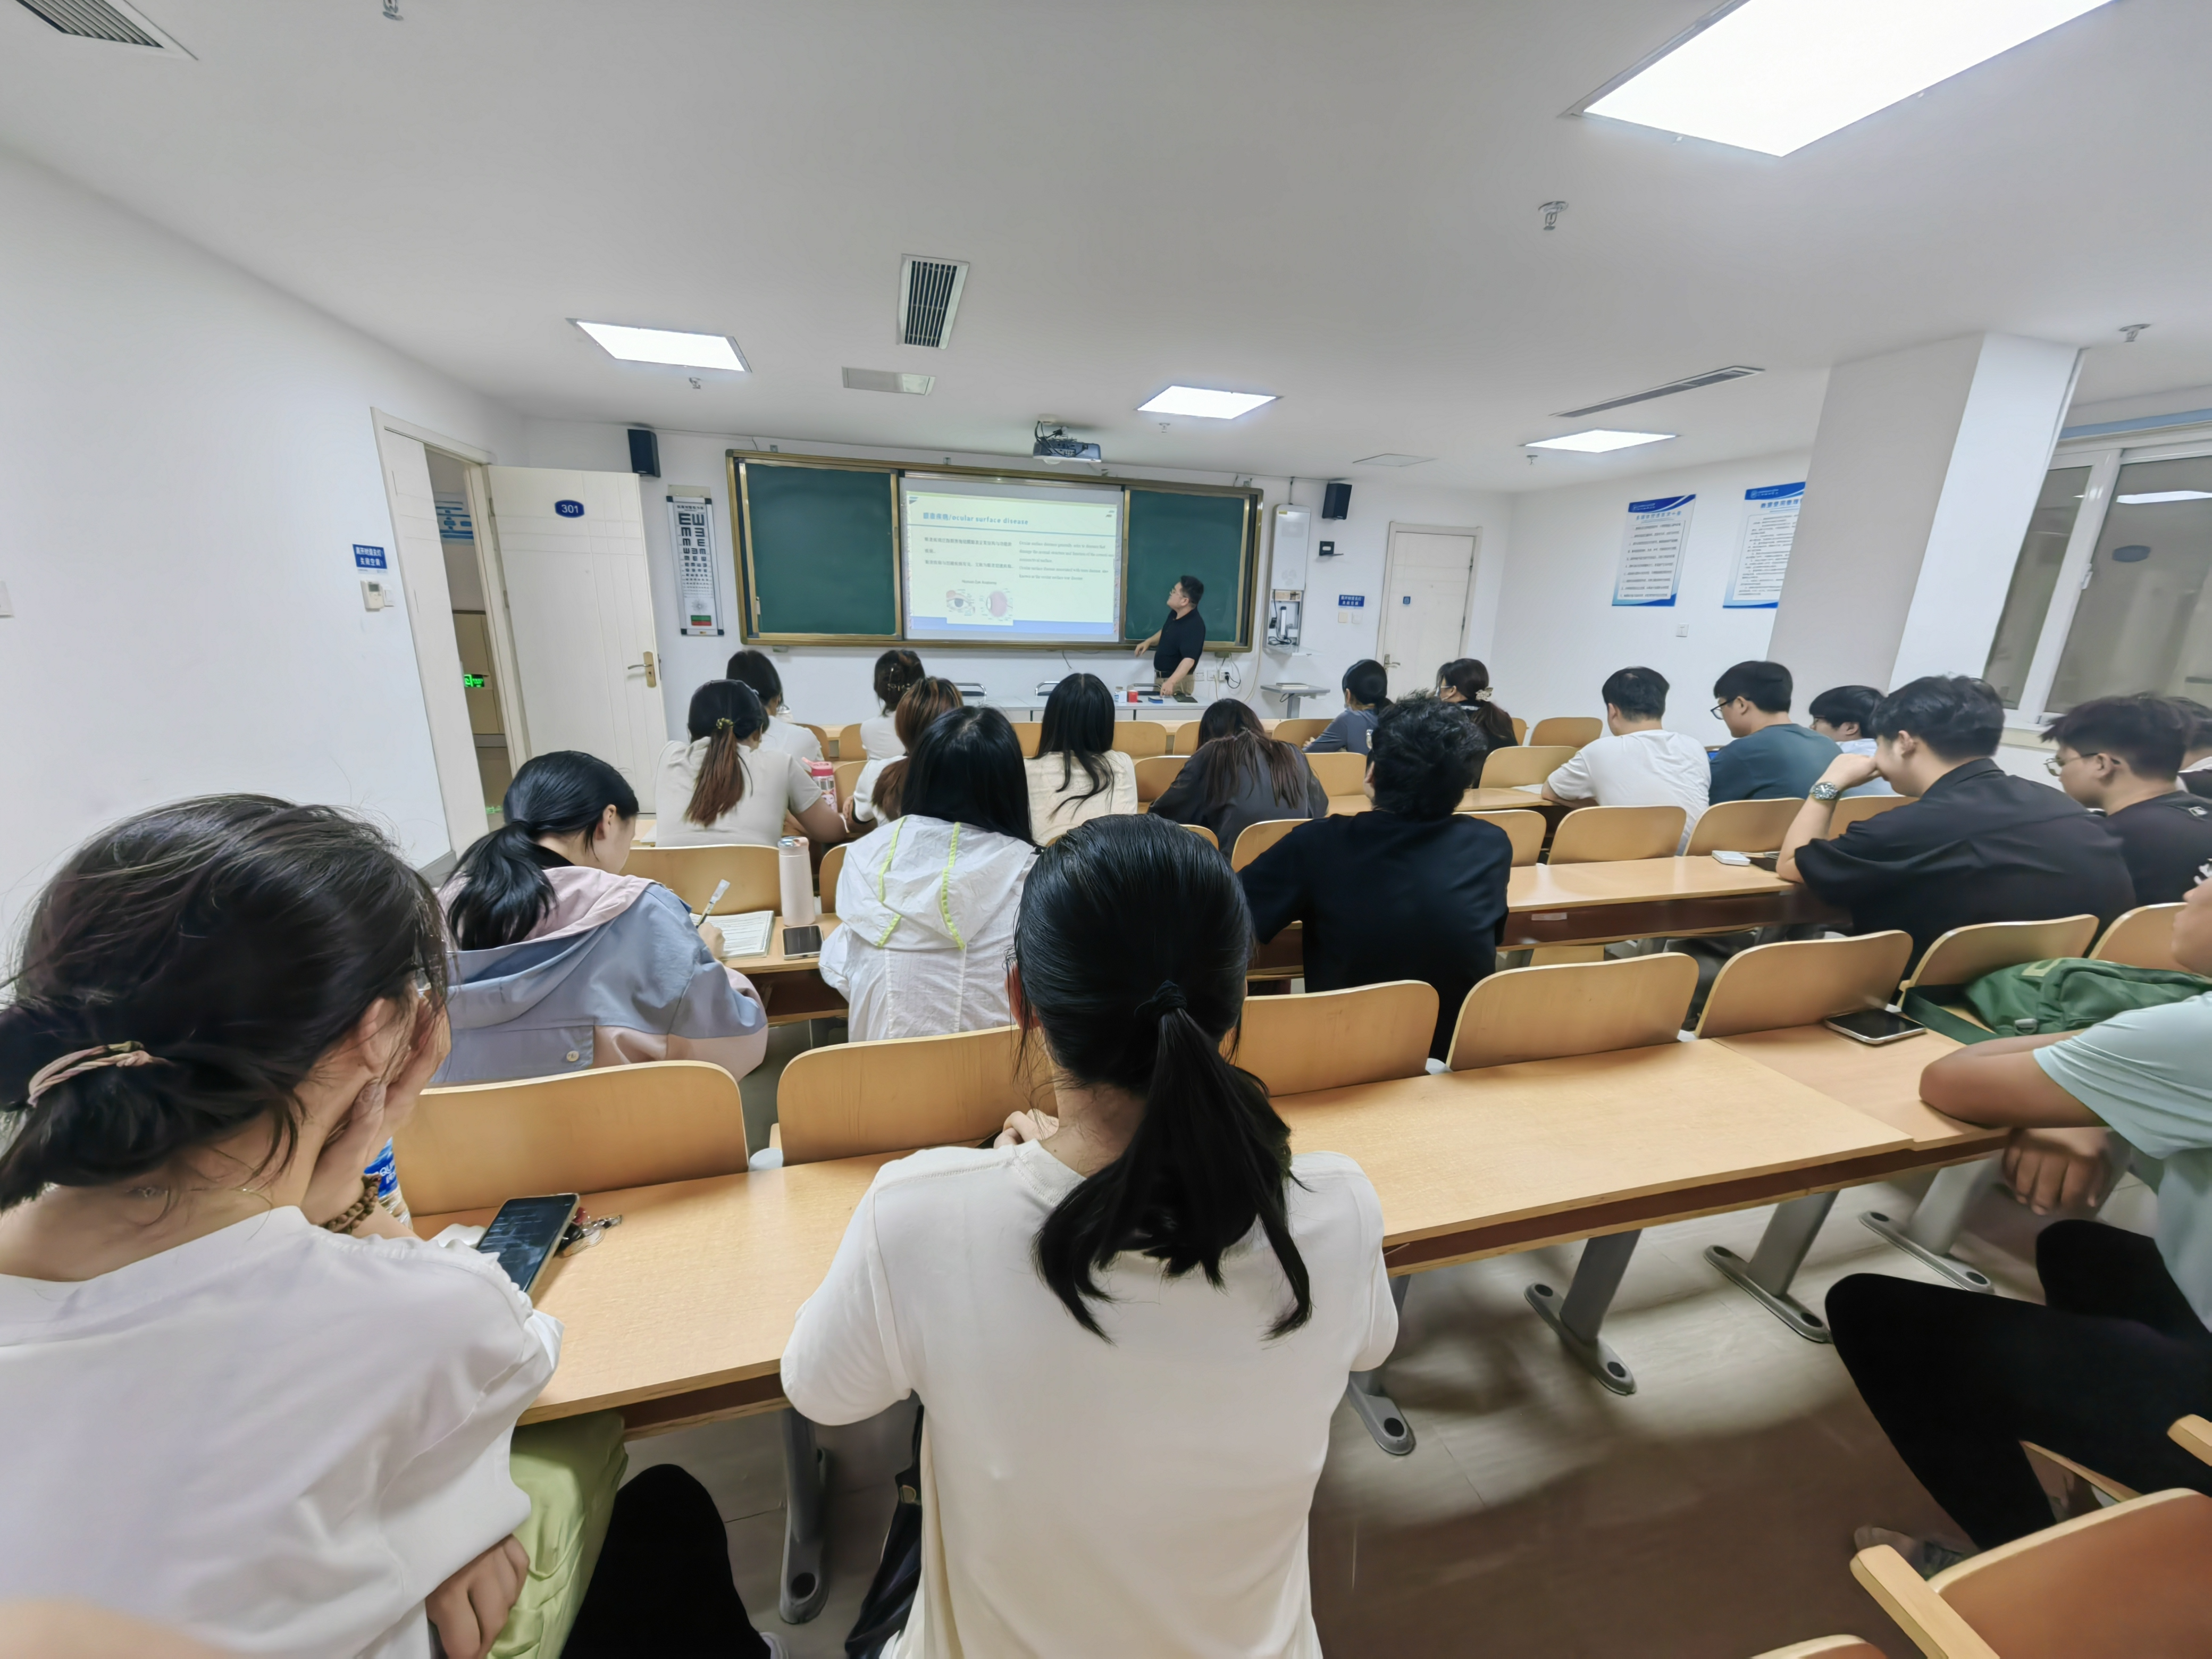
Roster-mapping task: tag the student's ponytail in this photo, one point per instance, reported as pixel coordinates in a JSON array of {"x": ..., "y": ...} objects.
[
  {"x": 504, "y": 892},
  {"x": 1132, "y": 948},
  {"x": 725, "y": 713}
]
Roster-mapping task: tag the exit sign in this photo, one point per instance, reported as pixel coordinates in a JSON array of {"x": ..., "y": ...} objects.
[{"x": 474, "y": 682}]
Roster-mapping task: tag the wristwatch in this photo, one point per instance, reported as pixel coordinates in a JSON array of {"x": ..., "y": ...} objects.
[{"x": 1824, "y": 792}]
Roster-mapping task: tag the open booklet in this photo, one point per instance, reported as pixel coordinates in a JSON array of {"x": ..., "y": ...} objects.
[{"x": 747, "y": 935}]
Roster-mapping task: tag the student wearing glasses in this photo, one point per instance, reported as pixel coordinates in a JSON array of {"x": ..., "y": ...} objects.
[
  {"x": 1770, "y": 756},
  {"x": 2119, "y": 756}
]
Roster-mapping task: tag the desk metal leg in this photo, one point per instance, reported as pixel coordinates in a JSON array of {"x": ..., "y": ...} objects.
[
  {"x": 1766, "y": 1277},
  {"x": 1578, "y": 1316},
  {"x": 1376, "y": 1409},
  {"x": 806, "y": 1486},
  {"x": 1940, "y": 1218}
]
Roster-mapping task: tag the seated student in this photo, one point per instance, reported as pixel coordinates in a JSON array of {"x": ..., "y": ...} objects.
[
  {"x": 2120, "y": 1348},
  {"x": 1366, "y": 695},
  {"x": 875, "y": 792},
  {"x": 247, "y": 1403},
  {"x": 754, "y": 668},
  {"x": 1409, "y": 890},
  {"x": 1239, "y": 776},
  {"x": 1129, "y": 1324},
  {"x": 1841, "y": 714},
  {"x": 1640, "y": 763},
  {"x": 1771, "y": 757},
  {"x": 727, "y": 787},
  {"x": 565, "y": 962},
  {"x": 926, "y": 901},
  {"x": 897, "y": 673},
  {"x": 2197, "y": 752},
  {"x": 2119, "y": 756},
  {"x": 1465, "y": 683},
  {"x": 1976, "y": 845},
  {"x": 1077, "y": 774}
]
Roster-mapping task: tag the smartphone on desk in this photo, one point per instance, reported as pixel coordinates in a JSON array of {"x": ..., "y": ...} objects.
[
  {"x": 524, "y": 1234},
  {"x": 802, "y": 941},
  {"x": 1875, "y": 1026}
]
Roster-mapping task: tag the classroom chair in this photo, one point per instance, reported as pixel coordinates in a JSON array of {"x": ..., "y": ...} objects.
[
  {"x": 1155, "y": 773},
  {"x": 1826, "y": 1647},
  {"x": 833, "y": 866},
  {"x": 1335, "y": 1039},
  {"x": 474, "y": 1146},
  {"x": 1524, "y": 766},
  {"x": 1575, "y": 730},
  {"x": 1525, "y": 829},
  {"x": 1520, "y": 731},
  {"x": 1257, "y": 838},
  {"x": 1964, "y": 954},
  {"x": 2143, "y": 938},
  {"x": 848, "y": 779},
  {"x": 693, "y": 873},
  {"x": 1300, "y": 732},
  {"x": 1183, "y": 739},
  {"x": 1857, "y": 809},
  {"x": 1575, "y": 1008},
  {"x": 1204, "y": 834},
  {"x": 1029, "y": 734},
  {"x": 853, "y": 1099},
  {"x": 850, "y": 746},
  {"x": 1342, "y": 776},
  {"x": 1742, "y": 826},
  {"x": 648, "y": 828},
  {"x": 1770, "y": 988},
  {"x": 826, "y": 738},
  {"x": 1601, "y": 835},
  {"x": 1140, "y": 739}
]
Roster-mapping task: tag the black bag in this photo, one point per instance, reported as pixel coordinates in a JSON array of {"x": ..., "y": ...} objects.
[{"x": 890, "y": 1600}]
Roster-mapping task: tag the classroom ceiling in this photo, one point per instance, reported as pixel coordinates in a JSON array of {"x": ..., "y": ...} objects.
[{"x": 1335, "y": 203}]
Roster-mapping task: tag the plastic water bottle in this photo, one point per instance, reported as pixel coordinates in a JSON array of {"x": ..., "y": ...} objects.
[
  {"x": 795, "y": 879},
  {"x": 825, "y": 779},
  {"x": 387, "y": 1172}
]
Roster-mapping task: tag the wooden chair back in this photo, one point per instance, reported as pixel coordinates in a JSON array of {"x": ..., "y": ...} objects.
[
  {"x": 648, "y": 828},
  {"x": 1573, "y": 1008},
  {"x": 849, "y": 778},
  {"x": 1141, "y": 739},
  {"x": 1155, "y": 773},
  {"x": 1334, "y": 1039},
  {"x": 850, "y": 1099},
  {"x": 1742, "y": 826},
  {"x": 1340, "y": 774},
  {"x": 1204, "y": 835},
  {"x": 1256, "y": 838},
  {"x": 1182, "y": 739},
  {"x": 1857, "y": 809},
  {"x": 850, "y": 746},
  {"x": 1301, "y": 731},
  {"x": 1803, "y": 981},
  {"x": 1606, "y": 835},
  {"x": 1029, "y": 734},
  {"x": 1576, "y": 731},
  {"x": 693, "y": 873},
  {"x": 833, "y": 866},
  {"x": 1523, "y": 765},
  {"x": 824, "y": 736},
  {"x": 1524, "y": 830},
  {"x": 1520, "y": 730},
  {"x": 1826, "y": 1647},
  {"x": 1964, "y": 954},
  {"x": 2143, "y": 938},
  {"x": 478, "y": 1145}
]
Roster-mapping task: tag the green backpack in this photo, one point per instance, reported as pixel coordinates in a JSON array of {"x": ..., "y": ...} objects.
[{"x": 2072, "y": 994}]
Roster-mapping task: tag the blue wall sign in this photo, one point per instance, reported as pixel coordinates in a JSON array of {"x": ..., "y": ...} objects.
[
  {"x": 1352, "y": 601},
  {"x": 569, "y": 510},
  {"x": 368, "y": 558}
]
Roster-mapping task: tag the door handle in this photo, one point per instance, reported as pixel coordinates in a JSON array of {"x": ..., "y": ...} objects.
[{"x": 651, "y": 677}]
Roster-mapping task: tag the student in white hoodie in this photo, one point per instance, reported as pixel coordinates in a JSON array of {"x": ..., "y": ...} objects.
[{"x": 926, "y": 902}]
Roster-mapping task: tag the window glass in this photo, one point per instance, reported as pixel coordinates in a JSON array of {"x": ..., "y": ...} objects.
[
  {"x": 2141, "y": 624},
  {"x": 2033, "y": 580}
]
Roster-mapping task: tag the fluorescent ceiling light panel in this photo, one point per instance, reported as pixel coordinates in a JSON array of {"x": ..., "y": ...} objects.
[
  {"x": 2157, "y": 496},
  {"x": 666, "y": 345},
  {"x": 1207, "y": 405},
  {"x": 1775, "y": 74},
  {"x": 1598, "y": 441}
]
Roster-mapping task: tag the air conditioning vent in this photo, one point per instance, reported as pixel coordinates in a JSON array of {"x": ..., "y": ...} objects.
[
  {"x": 929, "y": 295},
  {"x": 888, "y": 380},
  {"x": 102, "y": 20},
  {"x": 1733, "y": 372}
]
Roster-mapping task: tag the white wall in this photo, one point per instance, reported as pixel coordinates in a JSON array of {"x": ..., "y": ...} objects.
[
  {"x": 186, "y": 460},
  {"x": 828, "y": 685},
  {"x": 1557, "y": 631}
]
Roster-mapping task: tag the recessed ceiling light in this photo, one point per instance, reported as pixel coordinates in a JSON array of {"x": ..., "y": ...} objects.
[
  {"x": 1597, "y": 440},
  {"x": 2156, "y": 495},
  {"x": 1208, "y": 406},
  {"x": 888, "y": 380},
  {"x": 666, "y": 345},
  {"x": 1393, "y": 460},
  {"x": 1775, "y": 74}
]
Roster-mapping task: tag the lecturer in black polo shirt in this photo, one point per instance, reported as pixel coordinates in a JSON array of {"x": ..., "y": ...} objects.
[
  {"x": 1976, "y": 845},
  {"x": 1175, "y": 648}
]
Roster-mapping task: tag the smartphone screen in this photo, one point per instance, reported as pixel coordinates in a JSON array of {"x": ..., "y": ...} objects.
[
  {"x": 1874, "y": 1025},
  {"x": 524, "y": 1234},
  {"x": 802, "y": 941}
]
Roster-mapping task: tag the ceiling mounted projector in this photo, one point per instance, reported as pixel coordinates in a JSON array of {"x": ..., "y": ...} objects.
[{"x": 1054, "y": 444}]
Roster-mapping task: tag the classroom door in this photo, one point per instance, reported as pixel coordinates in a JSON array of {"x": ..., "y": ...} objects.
[
  {"x": 1427, "y": 580},
  {"x": 572, "y": 548}
]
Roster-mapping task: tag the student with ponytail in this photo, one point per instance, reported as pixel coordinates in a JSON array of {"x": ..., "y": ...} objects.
[
  {"x": 724, "y": 786},
  {"x": 1239, "y": 776},
  {"x": 897, "y": 672},
  {"x": 1465, "y": 680},
  {"x": 875, "y": 791},
  {"x": 1366, "y": 695},
  {"x": 1128, "y": 1322}
]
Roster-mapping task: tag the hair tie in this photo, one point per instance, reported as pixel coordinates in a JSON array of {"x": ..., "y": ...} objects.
[
  {"x": 1483, "y": 696},
  {"x": 725, "y": 723},
  {"x": 1166, "y": 1001},
  {"x": 87, "y": 1060}
]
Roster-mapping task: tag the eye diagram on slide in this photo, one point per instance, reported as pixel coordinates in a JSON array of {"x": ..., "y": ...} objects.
[{"x": 1012, "y": 568}]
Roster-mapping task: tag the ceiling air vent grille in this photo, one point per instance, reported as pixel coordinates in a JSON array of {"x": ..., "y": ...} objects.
[
  {"x": 1733, "y": 372},
  {"x": 102, "y": 20},
  {"x": 929, "y": 295}
]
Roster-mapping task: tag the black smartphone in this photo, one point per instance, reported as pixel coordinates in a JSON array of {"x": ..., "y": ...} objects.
[
  {"x": 1874, "y": 1025},
  {"x": 526, "y": 1232},
  {"x": 802, "y": 941}
]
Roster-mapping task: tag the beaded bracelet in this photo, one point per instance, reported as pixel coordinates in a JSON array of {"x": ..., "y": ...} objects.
[{"x": 357, "y": 1212}]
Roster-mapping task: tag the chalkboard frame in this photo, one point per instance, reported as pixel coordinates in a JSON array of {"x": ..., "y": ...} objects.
[{"x": 741, "y": 526}]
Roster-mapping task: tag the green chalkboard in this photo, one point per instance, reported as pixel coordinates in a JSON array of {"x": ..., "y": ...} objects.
[
  {"x": 821, "y": 550},
  {"x": 1173, "y": 533}
]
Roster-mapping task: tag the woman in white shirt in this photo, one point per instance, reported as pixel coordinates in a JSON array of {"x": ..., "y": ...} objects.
[
  {"x": 1130, "y": 1323},
  {"x": 897, "y": 672},
  {"x": 1077, "y": 774},
  {"x": 266, "y": 1413},
  {"x": 875, "y": 791},
  {"x": 754, "y": 669},
  {"x": 925, "y": 904},
  {"x": 725, "y": 785}
]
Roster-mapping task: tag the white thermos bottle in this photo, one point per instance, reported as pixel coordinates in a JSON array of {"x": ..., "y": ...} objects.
[{"x": 797, "y": 878}]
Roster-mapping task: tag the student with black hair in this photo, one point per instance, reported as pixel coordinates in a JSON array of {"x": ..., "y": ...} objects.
[
  {"x": 565, "y": 962},
  {"x": 727, "y": 787},
  {"x": 1771, "y": 757},
  {"x": 1842, "y": 714},
  {"x": 1639, "y": 763},
  {"x": 1181, "y": 638},
  {"x": 1076, "y": 774},
  {"x": 1129, "y": 1322},
  {"x": 926, "y": 904},
  {"x": 2119, "y": 756},
  {"x": 1976, "y": 844},
  {"x": 1410, "y": 890},
  {"x": 897, "y": 673},
  {"x": 1464, "y": 683},
  {"x": 1366, "y": 695},
  {"x": 756, "y": 669},
  {"x": 1239, "y": 776},
  {"x": 875, "y": 791},
  {"x": 2197, "y": 750}
]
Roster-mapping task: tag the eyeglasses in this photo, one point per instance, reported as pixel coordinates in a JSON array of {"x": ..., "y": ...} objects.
[
  {"x": 1715, "y": 711},
  {"x": 2056, "y": 767}
]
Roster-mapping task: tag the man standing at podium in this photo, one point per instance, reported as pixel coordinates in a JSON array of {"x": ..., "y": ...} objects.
[{"x": 1176, "y": 647}]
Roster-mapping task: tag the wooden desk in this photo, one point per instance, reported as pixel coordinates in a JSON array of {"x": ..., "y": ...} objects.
[{"x": 793, "y": 985}]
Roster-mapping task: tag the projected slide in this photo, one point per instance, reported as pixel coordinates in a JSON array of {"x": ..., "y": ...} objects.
[{"x": 998, "y": 562}]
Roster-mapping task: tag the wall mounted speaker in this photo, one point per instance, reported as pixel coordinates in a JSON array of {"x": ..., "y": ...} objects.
[
  {"x": 1336, "y": 502},
  {"x": 644, "y": 453}
]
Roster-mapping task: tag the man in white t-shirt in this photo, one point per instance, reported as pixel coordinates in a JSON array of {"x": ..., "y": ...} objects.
[{"x": 1642, "y": 764}]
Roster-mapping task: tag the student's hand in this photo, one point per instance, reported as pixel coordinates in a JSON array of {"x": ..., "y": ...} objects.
[
  {"x": 711, "y": 937},
  {"x": 1026, "y": 1127},
  {"x": 1849, "y": 771},
  {"x": 2056, "y": 1168},
  {"x": 427, "y": 1045},
  {"x": 335, "y": 1186},
  {"x": 470, "y": 1608}
]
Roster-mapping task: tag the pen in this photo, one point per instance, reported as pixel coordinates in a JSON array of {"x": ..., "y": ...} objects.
[{"x": 720, "y": 888}]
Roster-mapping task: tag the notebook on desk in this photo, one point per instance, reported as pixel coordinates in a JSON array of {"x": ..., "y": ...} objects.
[{"x": 746, "y": 935}]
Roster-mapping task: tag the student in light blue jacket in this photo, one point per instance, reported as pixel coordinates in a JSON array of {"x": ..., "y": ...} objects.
[{"x": 1366, "y": 695}]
